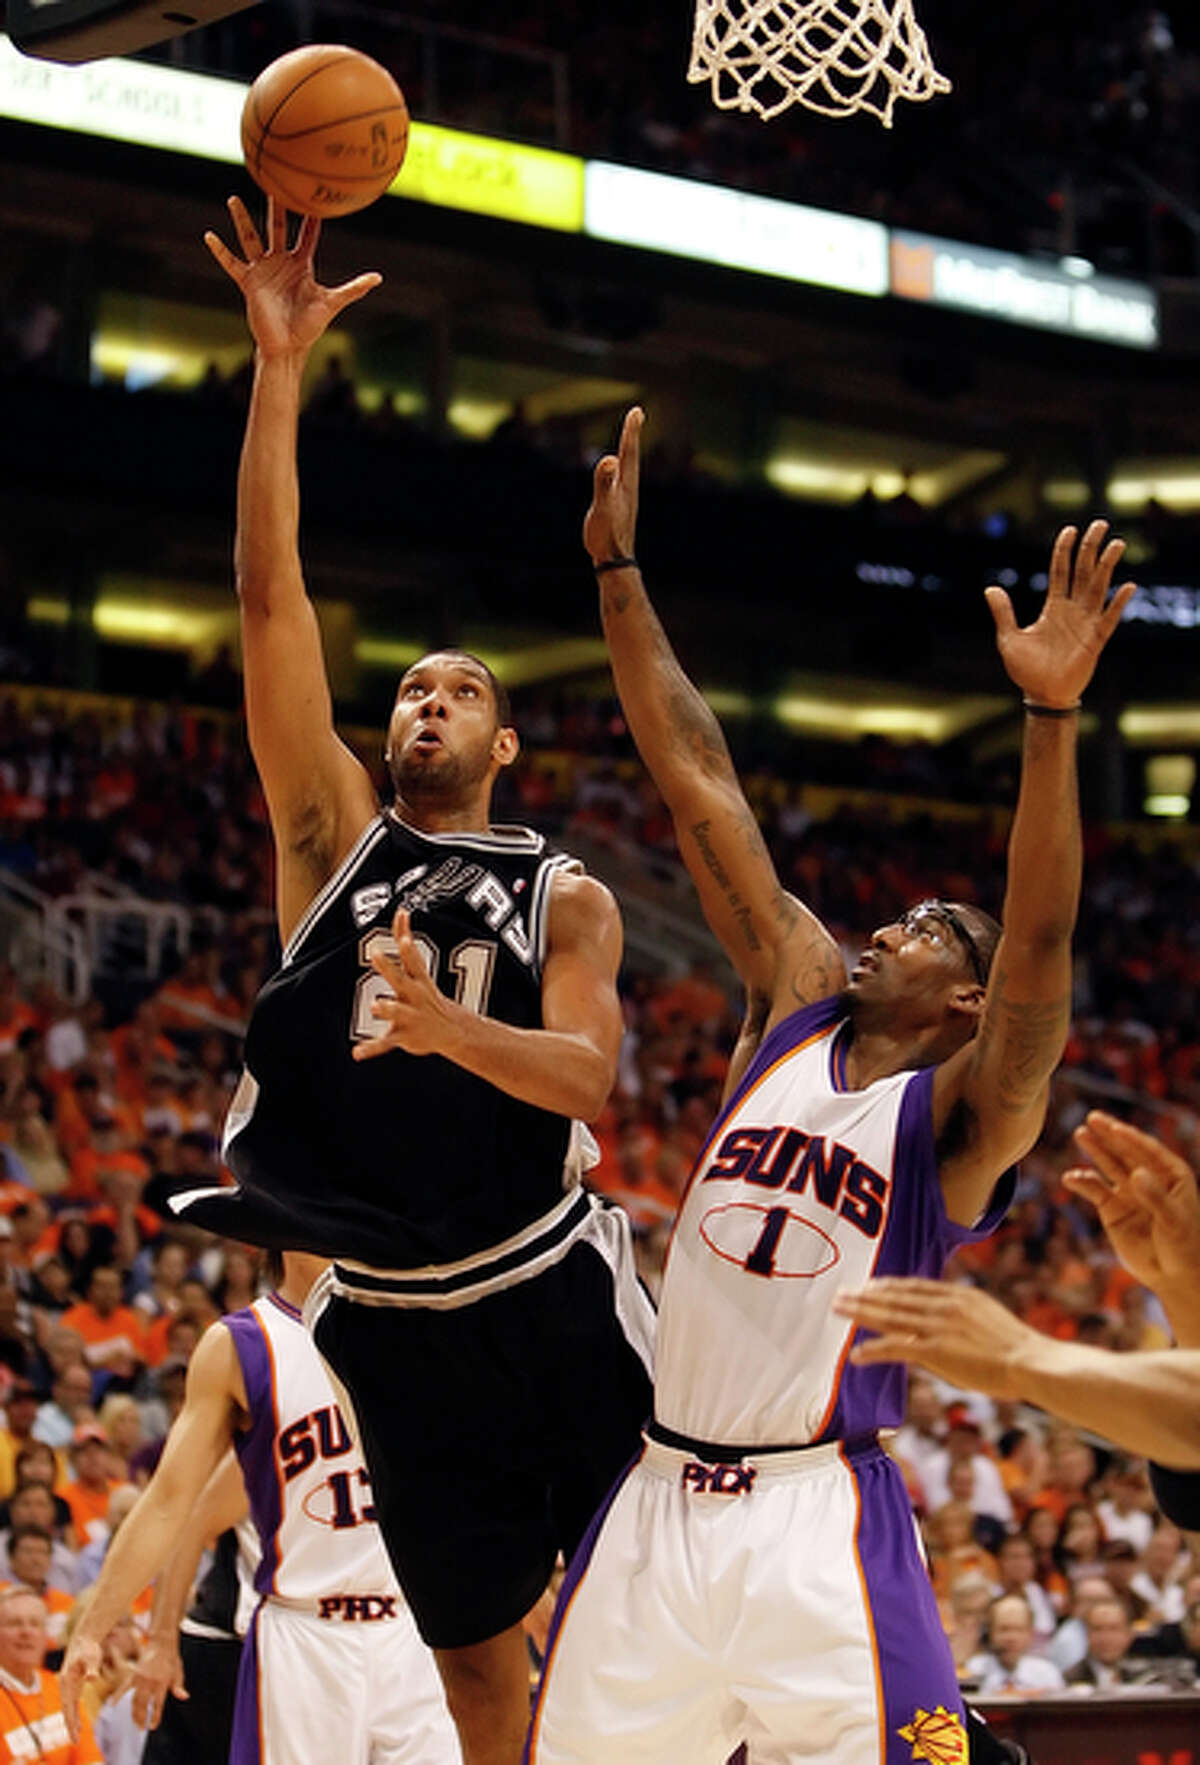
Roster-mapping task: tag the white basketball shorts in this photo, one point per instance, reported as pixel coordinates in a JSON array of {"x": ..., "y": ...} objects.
[
  {"x": 361, "y": 1691},
  {"x": 781, "y": 1601}
]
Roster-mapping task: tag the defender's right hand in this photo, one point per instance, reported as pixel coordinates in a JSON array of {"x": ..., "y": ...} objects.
[
  {"x": 82, "y": 1663},
  {"x": 286, "y": 306}
]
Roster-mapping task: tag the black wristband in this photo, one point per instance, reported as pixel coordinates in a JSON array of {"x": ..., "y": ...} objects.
[
  {"x": 615, "y": 564},
  {"x": 1036, "y": 710}
]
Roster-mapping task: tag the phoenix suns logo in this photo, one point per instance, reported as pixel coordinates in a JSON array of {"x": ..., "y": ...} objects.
[{"x": 937, "y": 1736}]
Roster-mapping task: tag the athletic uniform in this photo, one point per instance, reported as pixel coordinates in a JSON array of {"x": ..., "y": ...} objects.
[
  {"x": 756, "y": 1576},
  {"x": 332, "y": 1666},
  {"x": 482, "y": 1317}
]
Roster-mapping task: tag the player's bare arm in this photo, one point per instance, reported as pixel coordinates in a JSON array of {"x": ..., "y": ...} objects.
[
  {"x": 1145, "y": 1403},
  {"x": 990, "y": 1098},
  {"x": 214, "y": 1405},
  {"x": 1149, "y": 1205},
  {"x": 569, "y": 1065},
  {"x": 319, "y": 796},
  {"x": 159, "y": 1669},
  {"x": 782, "y": 952}
]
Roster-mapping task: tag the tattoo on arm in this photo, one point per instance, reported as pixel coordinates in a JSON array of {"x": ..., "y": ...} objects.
[
  {"x": 1030, "y": 1035},
  {"x": 701, "y": 833}
]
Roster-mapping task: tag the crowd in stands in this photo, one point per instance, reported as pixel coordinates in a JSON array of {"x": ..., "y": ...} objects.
[
  {"x": 1048, "y": 1556},
  {"x": 1058, "y": 126}
]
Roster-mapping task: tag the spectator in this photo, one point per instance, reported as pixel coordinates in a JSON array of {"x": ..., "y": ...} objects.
[
  {"x": 34, "y": 1505},
  {"x": 964, "y": 1445},
  {"x": 922, "y": 1440},
  {"x": 20, "y": 1414},
  {"x": 1015, "y": 1574},
  {"x": 952, "y": 1546},
  {"x": 1010, "y": 1665},
  {"x": 111, "y": 1331},
  {"x": 69, "y": 1404},
  {"x": 1106, "y": 1663},
  {"x": 33, "y": 1724},
  {"x": 1080, "y": 1542},
  {"x": 1126, "y": 1509},
  {"x": 120, "y": 1419},
  {"x": 30, "y": 1555},
  {"x": 964, "y": 1619},
  {"x": 1157, "y": 1580},
  {"x": 92, "y": 1483},
  {"x": 1069, "y": 1644}
]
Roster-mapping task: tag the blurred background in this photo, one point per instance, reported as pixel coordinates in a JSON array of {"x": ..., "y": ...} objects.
[{"x": 880, "y": 370}]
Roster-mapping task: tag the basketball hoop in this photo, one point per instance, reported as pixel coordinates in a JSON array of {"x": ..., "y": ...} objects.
[{"x": 835, "y": 56}]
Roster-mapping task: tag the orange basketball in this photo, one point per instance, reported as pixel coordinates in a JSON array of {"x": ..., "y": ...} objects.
[{"x": 324, "y": 130}]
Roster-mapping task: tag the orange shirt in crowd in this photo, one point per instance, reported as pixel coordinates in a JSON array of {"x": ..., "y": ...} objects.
[
  {"x": 102, "y": 1337},
  {"x": 89, "y": 1511},
  {"x": 20, "y": 1017},
  {"x": 32, "y": 1726},
  {"x": 88, "y": 1166}
]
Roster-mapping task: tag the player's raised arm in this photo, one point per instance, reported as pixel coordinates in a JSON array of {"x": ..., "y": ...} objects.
[
  {"x": 198, "y": 1440},
  {"x": 159, "y": 1670},
  {"x": 990, "y": 1099},
  {"x": 319, "y": 796},
  {"x": 782, "y": 952}
]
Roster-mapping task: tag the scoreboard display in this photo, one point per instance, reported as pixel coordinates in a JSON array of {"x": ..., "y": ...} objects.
[{"x": 86, "y": 30}]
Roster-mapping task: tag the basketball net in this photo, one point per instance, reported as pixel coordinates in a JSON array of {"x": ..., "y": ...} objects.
[{"x": 835, "y": 56}]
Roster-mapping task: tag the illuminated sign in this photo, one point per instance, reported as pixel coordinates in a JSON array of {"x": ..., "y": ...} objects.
[
  {"x": 126, "y": 101},
  {"x": 490, "y": 177},
  {"x": 167, "y": 107},
  {"x": 720, "y": 226},
  {"x": 999, "y": 285},
  {"x": 183, "y": 112}
]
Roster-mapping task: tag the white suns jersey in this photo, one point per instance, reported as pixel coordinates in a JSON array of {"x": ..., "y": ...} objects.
[
  {"x": 803, "y": 1188},
  {"x": 309, "y": 1494}
]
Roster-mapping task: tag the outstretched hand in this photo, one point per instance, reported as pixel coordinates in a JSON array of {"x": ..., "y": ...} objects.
[
  {"x": 1053, "y": 659},
  {"x": 1148, "y": 1202},
  {"x": 610, "y": 525},
  {"x": 286, "y": 306},
  {"x": 957, "y": 1333}
]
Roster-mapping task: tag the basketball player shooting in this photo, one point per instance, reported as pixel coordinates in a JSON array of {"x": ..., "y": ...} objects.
[
  {"x": 756, "y": 1575},
  {"x": 445, "y": 1015}
]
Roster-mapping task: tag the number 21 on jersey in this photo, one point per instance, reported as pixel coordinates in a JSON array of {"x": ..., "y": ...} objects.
[{"x": 471, "y": 963}]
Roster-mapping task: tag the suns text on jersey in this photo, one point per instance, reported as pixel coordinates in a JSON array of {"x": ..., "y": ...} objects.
[{"x": 790, "y": 1161}]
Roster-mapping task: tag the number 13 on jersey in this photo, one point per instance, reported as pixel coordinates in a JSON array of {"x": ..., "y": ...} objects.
[{"x": 471, "y": 963}]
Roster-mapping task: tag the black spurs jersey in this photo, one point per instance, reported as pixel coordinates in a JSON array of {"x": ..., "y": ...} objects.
[{"x": 405, "y": 1160}]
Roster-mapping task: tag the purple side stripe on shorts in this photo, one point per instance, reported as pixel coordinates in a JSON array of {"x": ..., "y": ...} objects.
[
  {"x": 255, "y": 1447},
  {"x": 245, "y": 1741},
  {"x": 922, "y": 1707},
  {"x": 576, "y": 1570}
]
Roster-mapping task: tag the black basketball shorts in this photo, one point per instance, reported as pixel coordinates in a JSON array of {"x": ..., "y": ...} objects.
[{"x": 493, "y": 1430}]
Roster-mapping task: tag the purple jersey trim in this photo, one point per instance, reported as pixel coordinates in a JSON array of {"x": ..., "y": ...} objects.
[
  {"x": 915, "y": 1673},
  {"x": 245, "y": 1740},
  {"x": 917, "y": 1239},
  {"x": 255, "y": 1446},
  {"x": 285, "y": 1306}
]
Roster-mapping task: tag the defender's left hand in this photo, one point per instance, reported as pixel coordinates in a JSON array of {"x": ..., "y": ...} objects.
[
  {"x": 1053, "y": 659},
  {"x": 420, "y": 1018}
]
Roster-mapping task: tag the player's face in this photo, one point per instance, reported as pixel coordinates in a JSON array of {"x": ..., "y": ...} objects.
[
  {"x": 925, "y": 954},
  {"x": 444, "y": 729}
]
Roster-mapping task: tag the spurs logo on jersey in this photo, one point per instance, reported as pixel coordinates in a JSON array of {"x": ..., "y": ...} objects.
[
  {"x": 802, "y": 1180},
  {"x": 308, "y": 1488},
  {"x": 482, "y": 889}
]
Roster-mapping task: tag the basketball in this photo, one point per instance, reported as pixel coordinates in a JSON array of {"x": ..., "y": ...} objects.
[{"x": 324, "y": 130}]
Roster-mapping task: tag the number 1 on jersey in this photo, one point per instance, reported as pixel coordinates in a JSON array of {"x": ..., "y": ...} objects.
[{"x": 470, "y": 962}]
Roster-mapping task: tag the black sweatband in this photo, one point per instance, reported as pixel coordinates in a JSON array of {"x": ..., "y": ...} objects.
[
  {"x": 615, "y": 564},
  {"x": 1036, "y": 710}
]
